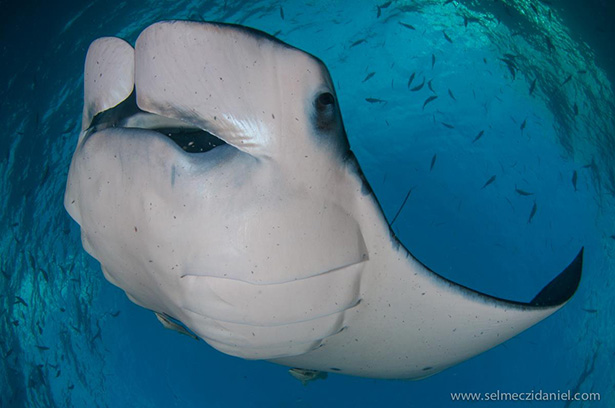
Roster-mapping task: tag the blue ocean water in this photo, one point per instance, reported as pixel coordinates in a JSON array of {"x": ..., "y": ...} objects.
[{"x": 69, "y": 338}]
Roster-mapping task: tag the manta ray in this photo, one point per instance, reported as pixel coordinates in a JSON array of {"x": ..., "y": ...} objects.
[{"x": 214, "y": 182}]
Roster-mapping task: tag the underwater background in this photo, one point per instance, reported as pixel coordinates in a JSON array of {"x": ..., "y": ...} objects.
[{"x": 525, "y": 94}]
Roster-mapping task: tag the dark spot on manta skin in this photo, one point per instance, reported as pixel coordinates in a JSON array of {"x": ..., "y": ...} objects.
[
  {"x": 427, "y": 368},
  {"x": 335, "y": 369},
  {"x": 366, "y": 189}
]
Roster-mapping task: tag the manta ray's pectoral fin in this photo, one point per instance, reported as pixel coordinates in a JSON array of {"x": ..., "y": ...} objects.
[
  {"x": 412, "y": 323},
  {"x": 561, "y": 289}
]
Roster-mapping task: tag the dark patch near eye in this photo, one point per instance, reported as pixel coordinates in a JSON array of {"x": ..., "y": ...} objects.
[
  {"x": 366, "y": 189},
  {"x": 326, "y": 114},
  {"x": 192, "y": 140},
  {"x": 351, "y": 161},
  {"x": 324, "y": 100}
]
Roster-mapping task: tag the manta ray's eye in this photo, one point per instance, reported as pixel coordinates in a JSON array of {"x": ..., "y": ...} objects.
[{"x": 324, "y": 101}]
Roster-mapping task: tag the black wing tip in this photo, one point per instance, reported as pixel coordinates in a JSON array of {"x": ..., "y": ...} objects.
[{"x": 563, "y": 286}]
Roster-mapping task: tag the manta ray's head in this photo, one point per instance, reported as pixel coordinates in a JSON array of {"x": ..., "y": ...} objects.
[
  {"x": 216, "y": 151},
  {"x": 206, "y": 85}
]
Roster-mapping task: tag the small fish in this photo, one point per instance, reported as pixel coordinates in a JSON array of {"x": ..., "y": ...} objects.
[
  {"x": 446, "y": 37},
  {"x": 430, "y": 99},
  {"x": 550, "y": 45},
  {"x": 371, "y": 74},
  {"x": 574, "y": 180},
  {"x": 115, "y": 314},
  {"x": 523, "y": 192},
  {"x": 433, "y": 161},
  {"x": 534, "y": 8},
  {"x": 44, "y": 273},
  {"x": 58, "y": 373},
  {"x": 478, "y": 136},
  {"x": 591, "y": 310},
  {"x": 433, "y": 60},
  {"x": 42, "y": 348},
  {"x": 523, "y": 124},
  {"x": 568, "y": 78},
  {"x": 533, "y": 86},
  {"x": 385, "y": 5},
  {"x": 582, "y": 72},
  {"x": 575, "y": 108},
  {"x": 44, "y": 175},
  {"x": 401, "y": 207},
  {"x": 450, "y": 93},
  {"x": 8, "y": 353},
  {"x": 171, "y": 325},
  {"x": 511, "y": 67},
  {"x": 591, "y": 165},
  {"x": 282, "y": 12},
  {"x": 510, "y": 56},
  {"x": 31, "y": 260},
  {"x": 361, "y": 41},
  {"x": 379, "y": 12},
  {"x": 612, "y": 236},
  {"x": 71, "y": 386},
  {"x": 98, "y": 335},
  {"x": 375, "y": 100},
  {"x": 411, "y": 27},
  {"x": 307, "y": 376},
  {"x": 20, "y": 300},
  {"x": 418, "y": 87},
  {"x": 532, "y": 213},
  {"x": 491, "y": 180},
  {"x": 411, "y": 79},
  {"x": 430, "y": 87},
  {"x": 447, "y": 125}
]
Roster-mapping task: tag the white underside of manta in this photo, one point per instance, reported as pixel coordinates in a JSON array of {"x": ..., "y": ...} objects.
[{"x": 214, "y": 182}]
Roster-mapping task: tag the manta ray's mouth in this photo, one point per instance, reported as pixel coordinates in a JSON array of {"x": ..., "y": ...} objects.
[
  {"x": 192, "y": 140},
  {"x": 127, "y": 115}
]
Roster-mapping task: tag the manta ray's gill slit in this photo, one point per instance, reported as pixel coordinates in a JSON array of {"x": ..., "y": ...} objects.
[{"x": 128, "y": 115}]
